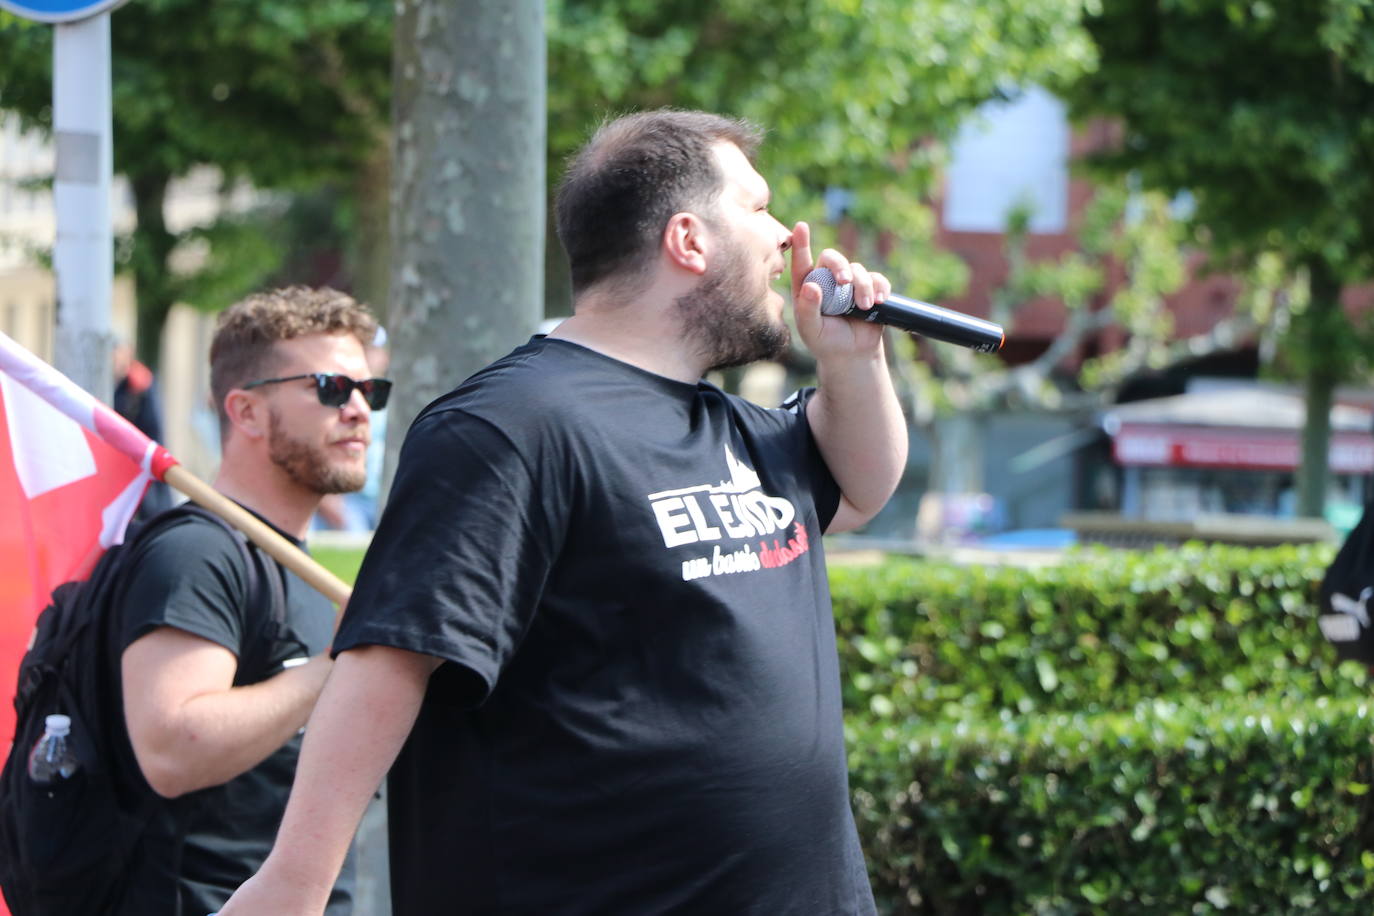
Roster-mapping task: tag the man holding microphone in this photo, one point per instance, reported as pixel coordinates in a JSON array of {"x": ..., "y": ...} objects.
[{"x": 593, "y": 632}]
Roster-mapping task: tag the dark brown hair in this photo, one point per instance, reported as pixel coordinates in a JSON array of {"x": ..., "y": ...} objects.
[
  {"x": 246, "y": 333},
  {"x": 637, "y": 171}
]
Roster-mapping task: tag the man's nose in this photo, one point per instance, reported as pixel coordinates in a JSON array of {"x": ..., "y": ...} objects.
[{"x": 355, "y": 406}]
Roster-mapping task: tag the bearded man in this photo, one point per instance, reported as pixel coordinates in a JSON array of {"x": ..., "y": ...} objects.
[
  {"x": 593, "y": 629},
  {"x": 217, "y": 683}
]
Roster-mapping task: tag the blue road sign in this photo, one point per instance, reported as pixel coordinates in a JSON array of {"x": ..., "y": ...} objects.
[{"x": 58, "y": 10}]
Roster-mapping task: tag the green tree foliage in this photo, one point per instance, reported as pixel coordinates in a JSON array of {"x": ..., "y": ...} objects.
[
  {"x": 853, "y": 92},
  {"x": 283, "y": 95},
  {"x": 1130, "y": 256},
  {"x": 859, "y": 96},
  {"x": 1264, "y": 111},
  {"x": 292, "y": 96}
]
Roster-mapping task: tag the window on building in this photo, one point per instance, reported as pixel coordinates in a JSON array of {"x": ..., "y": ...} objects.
[{"x": 1010, "y": 154}]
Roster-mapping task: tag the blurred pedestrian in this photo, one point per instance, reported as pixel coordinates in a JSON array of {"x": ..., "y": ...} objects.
[{"x": 137, "y": 399}]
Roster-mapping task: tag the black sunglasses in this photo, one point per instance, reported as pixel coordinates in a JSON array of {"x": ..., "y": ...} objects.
[{"x": 334, "y": 390}]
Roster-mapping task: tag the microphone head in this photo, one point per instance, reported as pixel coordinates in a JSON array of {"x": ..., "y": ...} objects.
[{"x": 835, "y": 299}]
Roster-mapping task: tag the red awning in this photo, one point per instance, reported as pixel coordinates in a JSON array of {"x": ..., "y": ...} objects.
[{"x": 1146, "y": 445}]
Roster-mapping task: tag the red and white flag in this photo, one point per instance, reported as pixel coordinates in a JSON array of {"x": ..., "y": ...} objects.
[{"x": 72, "y": 472}]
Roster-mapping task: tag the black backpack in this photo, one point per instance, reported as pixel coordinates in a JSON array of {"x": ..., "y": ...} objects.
[
  {"x": 1347, "y": 587},
  {"x": 65, "y": 848}
]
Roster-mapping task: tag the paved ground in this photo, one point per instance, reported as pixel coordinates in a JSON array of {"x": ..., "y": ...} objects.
[{"x": 374, "y": 881}]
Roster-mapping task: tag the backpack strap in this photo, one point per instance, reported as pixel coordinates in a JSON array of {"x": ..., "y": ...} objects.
[
  {"x": 276, "y": 589},
  {"x": 264, "y": 572}
]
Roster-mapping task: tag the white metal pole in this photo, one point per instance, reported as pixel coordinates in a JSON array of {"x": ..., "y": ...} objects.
[{"x": 83, "y": 257}]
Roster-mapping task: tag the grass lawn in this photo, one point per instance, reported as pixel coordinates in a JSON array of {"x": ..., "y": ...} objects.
[{"x": 341, "y": 561}]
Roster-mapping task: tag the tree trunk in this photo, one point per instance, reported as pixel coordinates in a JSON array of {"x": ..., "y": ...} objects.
[
  {"x": 468, "y": 198},
  {"x": 373, "y": 240},
  {"x": 152, "y": 246},
  {"x": 1324, "y": 323},
  {"x": 557, "y": 274}
]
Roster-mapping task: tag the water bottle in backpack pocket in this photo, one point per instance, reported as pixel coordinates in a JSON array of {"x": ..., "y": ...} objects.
[
  {"x": 53, "y": 761},
  {"x": 68, "y": 834},
  {"x": 66, "y": 839}
]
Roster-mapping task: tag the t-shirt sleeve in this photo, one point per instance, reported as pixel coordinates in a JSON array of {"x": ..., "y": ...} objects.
[
  {"x": 458, "y": 563},
  {"x": 189, "y": 576},
  {"x": 816, "y": 473}
]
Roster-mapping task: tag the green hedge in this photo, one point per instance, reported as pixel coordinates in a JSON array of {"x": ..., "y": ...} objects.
[
  {"x": 1103, "y": 631},
  {"x": 1146, "y": 733},
  {"x": 1259, "y": 806}
]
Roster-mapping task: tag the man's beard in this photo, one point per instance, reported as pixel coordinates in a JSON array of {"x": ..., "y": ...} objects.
[
  {"x": 309, "y": 465},
  {"x": 727, "y": 319}
]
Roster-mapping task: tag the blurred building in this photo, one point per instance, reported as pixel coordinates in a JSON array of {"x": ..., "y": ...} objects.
[
  {"x": 1228, "y": 449},
  {"x": 28, "y": 291},
  {"x": 27, "y": 228},
  {"x": 1018, "y": 153},
  {"x": 1220, "y": 462},
  {"x": 1184, "y": 451}
]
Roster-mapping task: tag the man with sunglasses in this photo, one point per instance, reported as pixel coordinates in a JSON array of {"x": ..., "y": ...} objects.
[{"x": 218, "y": 667}]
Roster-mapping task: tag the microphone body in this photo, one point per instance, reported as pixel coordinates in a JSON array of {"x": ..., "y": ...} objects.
[{"x": 910, "y": 315}]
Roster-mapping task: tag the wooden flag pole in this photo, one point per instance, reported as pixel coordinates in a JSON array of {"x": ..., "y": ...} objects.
[{"x": 260, "y": 533}]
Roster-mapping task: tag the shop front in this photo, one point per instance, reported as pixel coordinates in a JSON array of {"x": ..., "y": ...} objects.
[{"x": 1232, "y": 451}]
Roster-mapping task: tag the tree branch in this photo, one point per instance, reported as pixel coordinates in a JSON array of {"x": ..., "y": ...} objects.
[{"x": 334, "y": 74}]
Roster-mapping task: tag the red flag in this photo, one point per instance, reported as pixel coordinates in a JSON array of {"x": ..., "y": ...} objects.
[
  {"x": 65, "y": 496},
  {"x": 72, "y": 472}
]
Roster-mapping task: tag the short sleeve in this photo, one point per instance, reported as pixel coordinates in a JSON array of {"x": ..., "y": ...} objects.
[
  {"x": 189, "y": 576},
  {"x": 792, "y": 422},
  {"x": 459, "y": 560}
]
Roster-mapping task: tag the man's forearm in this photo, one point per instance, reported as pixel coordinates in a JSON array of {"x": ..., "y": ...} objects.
[
  {"x": 238, "y": 729},
  {"x": 189, "y": 735},
  {"x": 860, "y": 430},
  {"x": 363, "y": 717}
]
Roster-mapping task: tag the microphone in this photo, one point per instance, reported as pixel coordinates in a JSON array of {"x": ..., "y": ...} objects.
[{"x": 910, "y": 315}]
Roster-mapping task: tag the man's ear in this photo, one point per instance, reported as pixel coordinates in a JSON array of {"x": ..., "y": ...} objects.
[
  {"x": 686, "y": 242},
  {"x": 247, "y": 413}
]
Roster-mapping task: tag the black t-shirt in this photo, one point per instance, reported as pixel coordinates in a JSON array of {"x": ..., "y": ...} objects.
[
  {"x": 199, "y": 847},
  {"x": 641, "y": 709}
]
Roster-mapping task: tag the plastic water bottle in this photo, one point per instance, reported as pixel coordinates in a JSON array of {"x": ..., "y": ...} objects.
[{"x": 52, "y": 759}]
